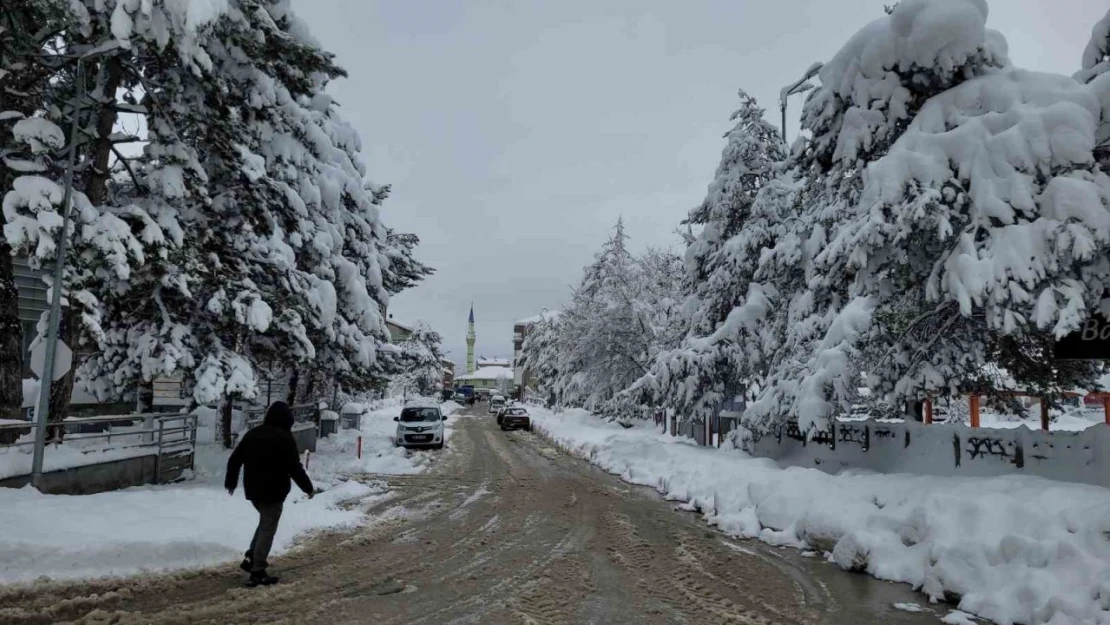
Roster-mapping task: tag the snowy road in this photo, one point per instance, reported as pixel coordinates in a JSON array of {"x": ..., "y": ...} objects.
[{"x": 506, "y": 530}]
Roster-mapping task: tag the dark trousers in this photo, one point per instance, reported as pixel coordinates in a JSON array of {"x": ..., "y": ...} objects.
[{"x": 268, "y": 516}]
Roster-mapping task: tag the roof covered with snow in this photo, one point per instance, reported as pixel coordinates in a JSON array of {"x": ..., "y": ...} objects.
[
  {"x": 546, "y": 315},
  {"x": 403, "y": 326},
  {"x": 488, "y": 373}
]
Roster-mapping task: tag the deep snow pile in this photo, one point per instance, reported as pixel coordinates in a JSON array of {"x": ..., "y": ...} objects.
[
  {"x": 151, "y": 528},
  {"x": 1011, "y": 549}
]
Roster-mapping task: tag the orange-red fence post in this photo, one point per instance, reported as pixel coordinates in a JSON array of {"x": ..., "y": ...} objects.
[
  {"x": 1106, "y": 408},
  {"x": 1044, "y": 414},
  {"x": 928, "y": 411},
  {"x": 974, "y": 411}
]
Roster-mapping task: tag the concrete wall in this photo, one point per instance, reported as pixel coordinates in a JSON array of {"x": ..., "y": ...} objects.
[
  {"x": 942, "y": 450},
  {"x": 93, "y": 478}
]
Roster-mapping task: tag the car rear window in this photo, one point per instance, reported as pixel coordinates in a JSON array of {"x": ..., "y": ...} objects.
[{"x": 416, "y": 415}]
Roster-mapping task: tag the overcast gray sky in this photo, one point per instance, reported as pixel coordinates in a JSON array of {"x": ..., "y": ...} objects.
[{"x": 515, "y": 133}]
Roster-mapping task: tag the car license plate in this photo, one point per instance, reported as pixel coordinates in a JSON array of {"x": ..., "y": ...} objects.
[{"x": 420, "y": 438}]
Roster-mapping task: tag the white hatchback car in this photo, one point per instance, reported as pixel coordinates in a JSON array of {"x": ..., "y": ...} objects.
[
  {"x": 497, "y": 402},
  {"x": 420, "y": 426}
]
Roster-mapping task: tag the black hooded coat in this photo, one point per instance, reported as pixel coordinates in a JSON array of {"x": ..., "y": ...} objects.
[{"x": 269, "y": 459}]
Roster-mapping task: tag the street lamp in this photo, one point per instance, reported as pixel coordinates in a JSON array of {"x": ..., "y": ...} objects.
[{"x": 43, "y": 409}]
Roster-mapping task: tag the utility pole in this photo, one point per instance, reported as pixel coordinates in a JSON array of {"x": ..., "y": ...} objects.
[{"x": 43, "y": 409}]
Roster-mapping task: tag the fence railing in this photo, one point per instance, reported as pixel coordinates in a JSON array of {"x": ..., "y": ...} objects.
[
  {"x": 172, "y": 437},
  {"x": 302, "y": 413}
]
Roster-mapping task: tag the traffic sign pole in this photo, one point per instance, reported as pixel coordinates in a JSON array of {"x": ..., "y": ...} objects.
[{"x": 42, "y": 413}]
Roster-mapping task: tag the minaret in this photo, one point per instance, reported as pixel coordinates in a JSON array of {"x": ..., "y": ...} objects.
[{"x": 470, "y": 343}]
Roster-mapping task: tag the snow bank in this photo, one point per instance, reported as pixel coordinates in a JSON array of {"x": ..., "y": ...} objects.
[
  {"x": 1011, "y": 549},
  {"x": 145, "y": 529},
  {"x": 195, "y": 524},
  {"x": 336, "y": 456}
]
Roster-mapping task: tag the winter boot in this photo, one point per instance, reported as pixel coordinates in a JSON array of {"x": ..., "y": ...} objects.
[
  {"x": 261, "y": 579},
  {"x": 246, "y": 565}
]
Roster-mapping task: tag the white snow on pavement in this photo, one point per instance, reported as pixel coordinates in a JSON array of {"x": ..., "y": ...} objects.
[
  {"x": 956, "y": 617},
  {"x": 1015, "y": 549},
  {"x": 195, "y": 523},
  {"x": 144, "y": 529},
  {"x": 337, "y": 455}
]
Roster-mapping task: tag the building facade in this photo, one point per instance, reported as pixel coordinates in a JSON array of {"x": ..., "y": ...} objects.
[
  {"x": 448, "y": 373},
  {"x": 397, "y": 330},
  {"x": 495, "y": 379}
]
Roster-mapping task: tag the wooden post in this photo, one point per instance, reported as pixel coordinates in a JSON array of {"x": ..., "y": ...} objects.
[
  {"x": 1044, "y": 414},
  {"x": 928, "y": 411},
  {"x": 974, "y": 411},
  {"x": 1106, "y": 408},
  {"x": 359, "y": 451}
]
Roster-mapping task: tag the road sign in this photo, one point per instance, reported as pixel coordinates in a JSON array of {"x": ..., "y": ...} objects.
[
  {"x": 63, "y": 360},
  {"x": 1089, "y": 342}
]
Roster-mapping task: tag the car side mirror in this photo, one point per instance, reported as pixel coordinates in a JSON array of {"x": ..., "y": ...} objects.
[
  {"x": 396, "y": 418},
  {"x": 444, "y": 417}
]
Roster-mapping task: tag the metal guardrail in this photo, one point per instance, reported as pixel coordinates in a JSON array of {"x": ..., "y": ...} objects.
[{"x": 172, "y": 436}]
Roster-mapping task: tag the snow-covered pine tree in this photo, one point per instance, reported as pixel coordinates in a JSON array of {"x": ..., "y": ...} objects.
[
  {"x": 540, "y": 357},
  {"x": 281, "y": 259},
  {"x": 403, "y": 271},
  {"x": 936, "y": 242},
  {"x": 725, "y": 308},
  {"x": 420, "y": 357},
  {"x": 619, "y": 317},
  {"x": 79, "y": 66},
  {"x": 23, "y": 40},
  {"x": 599, "y": 351}
]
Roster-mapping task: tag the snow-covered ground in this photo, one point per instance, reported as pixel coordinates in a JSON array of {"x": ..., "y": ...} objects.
[
  {"x": 336, "y": 455},
  {"x": 1011, "y": 549},
  {"x": 195, "y": 523}
]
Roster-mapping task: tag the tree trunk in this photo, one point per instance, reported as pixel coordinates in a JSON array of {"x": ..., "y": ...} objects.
[
  {"x": 96, "y": 189},
  {"x": 310, "y": 389},
  {"x": 294, "y": 381},
  {"x": 62, "y": 391},
  {"x": 11, "y": 339},
  {"x": 225, "y": 422}
]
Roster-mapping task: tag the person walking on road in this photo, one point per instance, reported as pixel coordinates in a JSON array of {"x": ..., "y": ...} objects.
[{"x": 269, "y": 459}]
